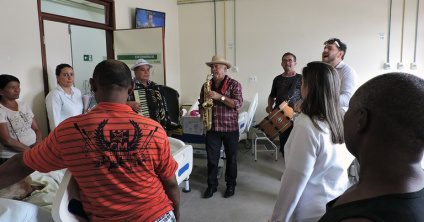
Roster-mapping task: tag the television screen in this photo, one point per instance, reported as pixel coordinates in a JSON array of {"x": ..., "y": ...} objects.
[{"x": 149, "y": 19}]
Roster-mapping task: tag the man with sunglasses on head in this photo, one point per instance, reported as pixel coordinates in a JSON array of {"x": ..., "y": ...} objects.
[{"x": 333, "y": 54}]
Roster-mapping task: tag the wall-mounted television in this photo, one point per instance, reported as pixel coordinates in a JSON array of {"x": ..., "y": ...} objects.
[{"x": 149, "y": 19}]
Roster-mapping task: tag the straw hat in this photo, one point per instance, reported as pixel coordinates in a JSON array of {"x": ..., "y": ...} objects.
[
  {"x": 218, "y": 60},
  {"x": 140, "y": 62}
]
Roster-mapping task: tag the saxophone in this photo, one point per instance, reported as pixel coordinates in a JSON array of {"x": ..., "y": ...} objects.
[{"x": 207, "y": 104}]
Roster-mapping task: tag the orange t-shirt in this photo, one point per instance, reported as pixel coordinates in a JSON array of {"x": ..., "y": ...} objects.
[{"x": 118, "y": 159}]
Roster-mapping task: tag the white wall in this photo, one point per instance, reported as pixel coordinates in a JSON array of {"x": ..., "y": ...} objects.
[
  {"x": 86, "y": 41},
  {"x": 128, "y": 42},
  {"x": 125, "y": 10},
  {"x": 267, "y": 29},
  {"x": 20, "y": 50},
  {"x": 20, "y": 53}
]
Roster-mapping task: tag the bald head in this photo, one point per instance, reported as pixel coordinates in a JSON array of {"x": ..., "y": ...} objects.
[
  {"x": 112, "y": 72},
  {"x": 111, "y": 81},
  {"x": 391, "y": 106},
  {"x": 398, "y": 98}
]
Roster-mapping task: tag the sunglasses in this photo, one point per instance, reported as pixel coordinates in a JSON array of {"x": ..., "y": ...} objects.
[{"x": 333, "y": 41}]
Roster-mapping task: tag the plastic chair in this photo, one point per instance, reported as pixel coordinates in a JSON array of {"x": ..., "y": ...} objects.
[{"x": 68, "y": 190}]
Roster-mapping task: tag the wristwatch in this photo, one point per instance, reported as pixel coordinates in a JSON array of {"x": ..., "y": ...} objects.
[{"x": 222, "y": 98}]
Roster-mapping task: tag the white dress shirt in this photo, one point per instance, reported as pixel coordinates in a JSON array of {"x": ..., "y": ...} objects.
[
  {"x": 348, "y": 79},
  {"x": 61, "y": 106},
  {"x": 315, "y": 172}
]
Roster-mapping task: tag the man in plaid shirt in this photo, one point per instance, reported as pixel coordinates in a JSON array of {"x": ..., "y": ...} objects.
[{"x": 227, "y": 100}]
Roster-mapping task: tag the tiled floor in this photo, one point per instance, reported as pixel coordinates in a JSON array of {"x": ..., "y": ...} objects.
[{"x": 256, "y": 191}]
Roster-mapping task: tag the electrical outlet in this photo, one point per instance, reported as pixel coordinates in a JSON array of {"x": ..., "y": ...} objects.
[
  {"x": 386, "y": 66},
  {"x": 253, "y": 78},
  {"x": 235, "y": 69},
  {"x": 400, "y": 65},
  {"x": 413, "y": 66},
  {"x": 381, "y": 35}
]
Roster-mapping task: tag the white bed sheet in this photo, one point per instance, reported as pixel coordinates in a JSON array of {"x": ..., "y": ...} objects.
[
  {"x": 37, "y": 207},
  {"x": 19, "y": 211}
]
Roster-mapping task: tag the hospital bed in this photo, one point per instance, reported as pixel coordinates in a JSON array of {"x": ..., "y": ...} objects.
[
  {"x": 19, "y": 211},
  {"x": 183, "y": 154},
  {"x": 193, "y": 125}
]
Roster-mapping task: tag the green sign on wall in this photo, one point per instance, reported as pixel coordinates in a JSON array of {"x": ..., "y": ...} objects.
[{"x": 152, "y": 58}]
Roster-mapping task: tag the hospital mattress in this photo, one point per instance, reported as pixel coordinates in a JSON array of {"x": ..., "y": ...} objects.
[{"x": 183, "y": 154}]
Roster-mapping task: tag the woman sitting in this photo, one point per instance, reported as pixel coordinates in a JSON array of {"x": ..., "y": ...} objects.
[
  {"x": 18, "y": 130},
  {"x": 65, "y": 100},
  {"x": 316, "y": 162}
]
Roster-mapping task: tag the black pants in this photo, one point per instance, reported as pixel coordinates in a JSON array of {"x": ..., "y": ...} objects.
[
  {"x": 284, "y": 137},
  {"x": 214, "y": 140},
  {"x": 3, "y": 160}
]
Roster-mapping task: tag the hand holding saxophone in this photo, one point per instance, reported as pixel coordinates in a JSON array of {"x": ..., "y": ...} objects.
[{"x": 214, "y": 95}]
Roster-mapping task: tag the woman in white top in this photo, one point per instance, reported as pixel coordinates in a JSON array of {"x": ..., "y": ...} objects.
[
  {"x": 316, "y": 161},
  {"x": 65, "y": 100},
  {"x": 18, "y": 128}
]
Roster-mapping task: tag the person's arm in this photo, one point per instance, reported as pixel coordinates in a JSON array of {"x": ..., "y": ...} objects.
[
  {"x": 134, "y": 106},
  {"x": 347, "y": 87},
  {"x": 54, "y": 107},
  {"x": 234, "y": 101},
  {"x": 272, "y": 96},
  {"x": 270, "y": 104},
  {"x": 173, "y": 192},
  {"x": 166, "y": 167},
  {"x": 13, "y": 171},
  {"x": 10, "y": 142},
  {"x": 38, "y": 135},
  {"x": 299, "y": 167},
  {"x": 228, "y": 101},
  {"x": 201, "y": 100},
  {"x": 296, "y": 96}
]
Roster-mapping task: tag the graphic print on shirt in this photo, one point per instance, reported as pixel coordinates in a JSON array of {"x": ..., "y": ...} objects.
[{"x": 119, "y": 150}]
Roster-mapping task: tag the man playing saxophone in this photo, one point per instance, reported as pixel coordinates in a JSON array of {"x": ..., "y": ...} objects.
[{"x": 227, "y": 99}]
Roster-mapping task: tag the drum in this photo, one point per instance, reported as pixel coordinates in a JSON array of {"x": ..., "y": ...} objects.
[{"x": 276, "y": 122}]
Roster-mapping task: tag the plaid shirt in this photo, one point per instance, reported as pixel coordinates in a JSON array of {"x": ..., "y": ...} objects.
[{"x": 225, "y": 119}]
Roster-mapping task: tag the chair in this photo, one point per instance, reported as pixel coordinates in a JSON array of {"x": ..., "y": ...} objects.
[
  {"x": 259, "y": 135},
  {"x": 68, "y": 191},
  {"x": 172, "y": 102}
]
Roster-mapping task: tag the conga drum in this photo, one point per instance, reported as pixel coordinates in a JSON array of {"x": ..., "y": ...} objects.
[{"x": 276, "y": 122}]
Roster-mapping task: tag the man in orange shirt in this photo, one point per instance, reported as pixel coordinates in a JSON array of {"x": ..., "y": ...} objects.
[{"x": 121, "y": 161}]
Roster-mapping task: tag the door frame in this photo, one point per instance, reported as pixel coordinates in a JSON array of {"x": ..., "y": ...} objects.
[{"x": 109, "y": 27}]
